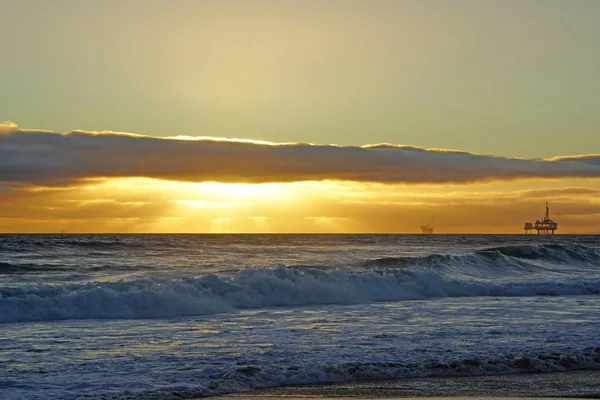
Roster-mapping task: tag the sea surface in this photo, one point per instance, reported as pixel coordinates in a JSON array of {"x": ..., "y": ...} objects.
[{"x": 176, "y": 316}]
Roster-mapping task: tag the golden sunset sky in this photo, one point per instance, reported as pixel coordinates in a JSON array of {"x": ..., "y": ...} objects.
[{"x": 225, "y": 116}]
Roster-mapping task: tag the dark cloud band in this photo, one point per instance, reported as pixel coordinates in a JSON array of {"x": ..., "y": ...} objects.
[{"x": 39, "y": 157}]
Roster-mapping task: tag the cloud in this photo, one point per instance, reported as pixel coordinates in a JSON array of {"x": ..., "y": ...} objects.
[
  {"x": 7, "y": 127},
  {"x": 41, "y": 157}
]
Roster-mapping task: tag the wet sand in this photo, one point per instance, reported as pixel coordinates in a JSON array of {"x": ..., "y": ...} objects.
[
  {"x": 397, "y": 397},
  {"x": 575, "y": 384}
]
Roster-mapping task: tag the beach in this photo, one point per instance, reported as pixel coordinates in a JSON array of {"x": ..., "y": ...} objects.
[{"x": 566, "y": 385}]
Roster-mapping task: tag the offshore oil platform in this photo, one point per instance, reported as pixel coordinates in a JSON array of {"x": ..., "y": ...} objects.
[
  {"x": 427, "y": 228},
  {"x": 546, "y": 226}
]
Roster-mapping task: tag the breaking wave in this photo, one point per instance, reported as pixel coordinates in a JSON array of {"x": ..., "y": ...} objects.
[
  {"x": 503, "y": 261},
  {"x": 260, "y": 288}
]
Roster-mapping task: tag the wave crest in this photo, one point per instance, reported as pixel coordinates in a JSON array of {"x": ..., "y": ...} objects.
[
  {"x": 501, "y": 261},
  {"x": 257, "y": 288}
]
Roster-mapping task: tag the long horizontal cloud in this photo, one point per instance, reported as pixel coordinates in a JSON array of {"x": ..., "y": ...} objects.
[{"x": 40, "y": 157}]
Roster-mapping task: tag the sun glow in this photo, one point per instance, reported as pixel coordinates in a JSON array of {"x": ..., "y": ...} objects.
[
  {"x": 205, "y": 204},
  {"x": 194, "y": 194},
  {"x": 241, "y": 191},
  {"x": 141, "y": 205}
]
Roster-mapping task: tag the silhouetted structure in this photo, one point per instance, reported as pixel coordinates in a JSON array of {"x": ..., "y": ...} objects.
[
  {"x": 546, "y": 226},
  {"x": 427, "y": 228}
]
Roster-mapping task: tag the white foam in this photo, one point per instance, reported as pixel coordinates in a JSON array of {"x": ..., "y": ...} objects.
[{"x": 260, "y": 288}]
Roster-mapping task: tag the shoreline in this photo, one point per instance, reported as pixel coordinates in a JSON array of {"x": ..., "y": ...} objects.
[{"x": 565, "y": 385}]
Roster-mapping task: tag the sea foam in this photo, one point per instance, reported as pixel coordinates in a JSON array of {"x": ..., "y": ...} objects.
[{"x": 269, "y": 287}]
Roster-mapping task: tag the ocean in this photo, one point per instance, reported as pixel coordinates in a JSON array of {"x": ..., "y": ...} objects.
[{"x": 182, "y": 316}]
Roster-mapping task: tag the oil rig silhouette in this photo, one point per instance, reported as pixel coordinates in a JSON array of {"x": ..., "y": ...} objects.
[
  {"x": 546, "y": 226},
  {"x": 427, "y": 228}
]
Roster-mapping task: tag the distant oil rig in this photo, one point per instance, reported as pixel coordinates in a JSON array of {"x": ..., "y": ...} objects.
[
  {"x": 427, "y": 228},
  {"x": 546, "y": 226}
]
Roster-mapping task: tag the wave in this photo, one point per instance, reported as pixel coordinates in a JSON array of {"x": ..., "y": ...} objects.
[
  {"x": 554, "y": 252},
  {"x": 102, "y": 244},
  {"x": 215, "y": 381},
  {"x": 17, "y": 268},
  {"x": 258, "y": 288},
  {"x": 10, "y": 268},
  {"x": 504, "y": 260},
  {"x": 27, "y": 244}
]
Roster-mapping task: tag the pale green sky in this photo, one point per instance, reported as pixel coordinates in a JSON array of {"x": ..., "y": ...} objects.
[{"x": 506, "y": 77}]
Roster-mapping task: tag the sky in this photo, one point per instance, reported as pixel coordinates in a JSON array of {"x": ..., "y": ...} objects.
[{"x": 298, "y": 116}]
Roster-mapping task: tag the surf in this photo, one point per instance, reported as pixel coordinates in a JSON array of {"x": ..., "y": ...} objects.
[{"x": 255, "y": 288}]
